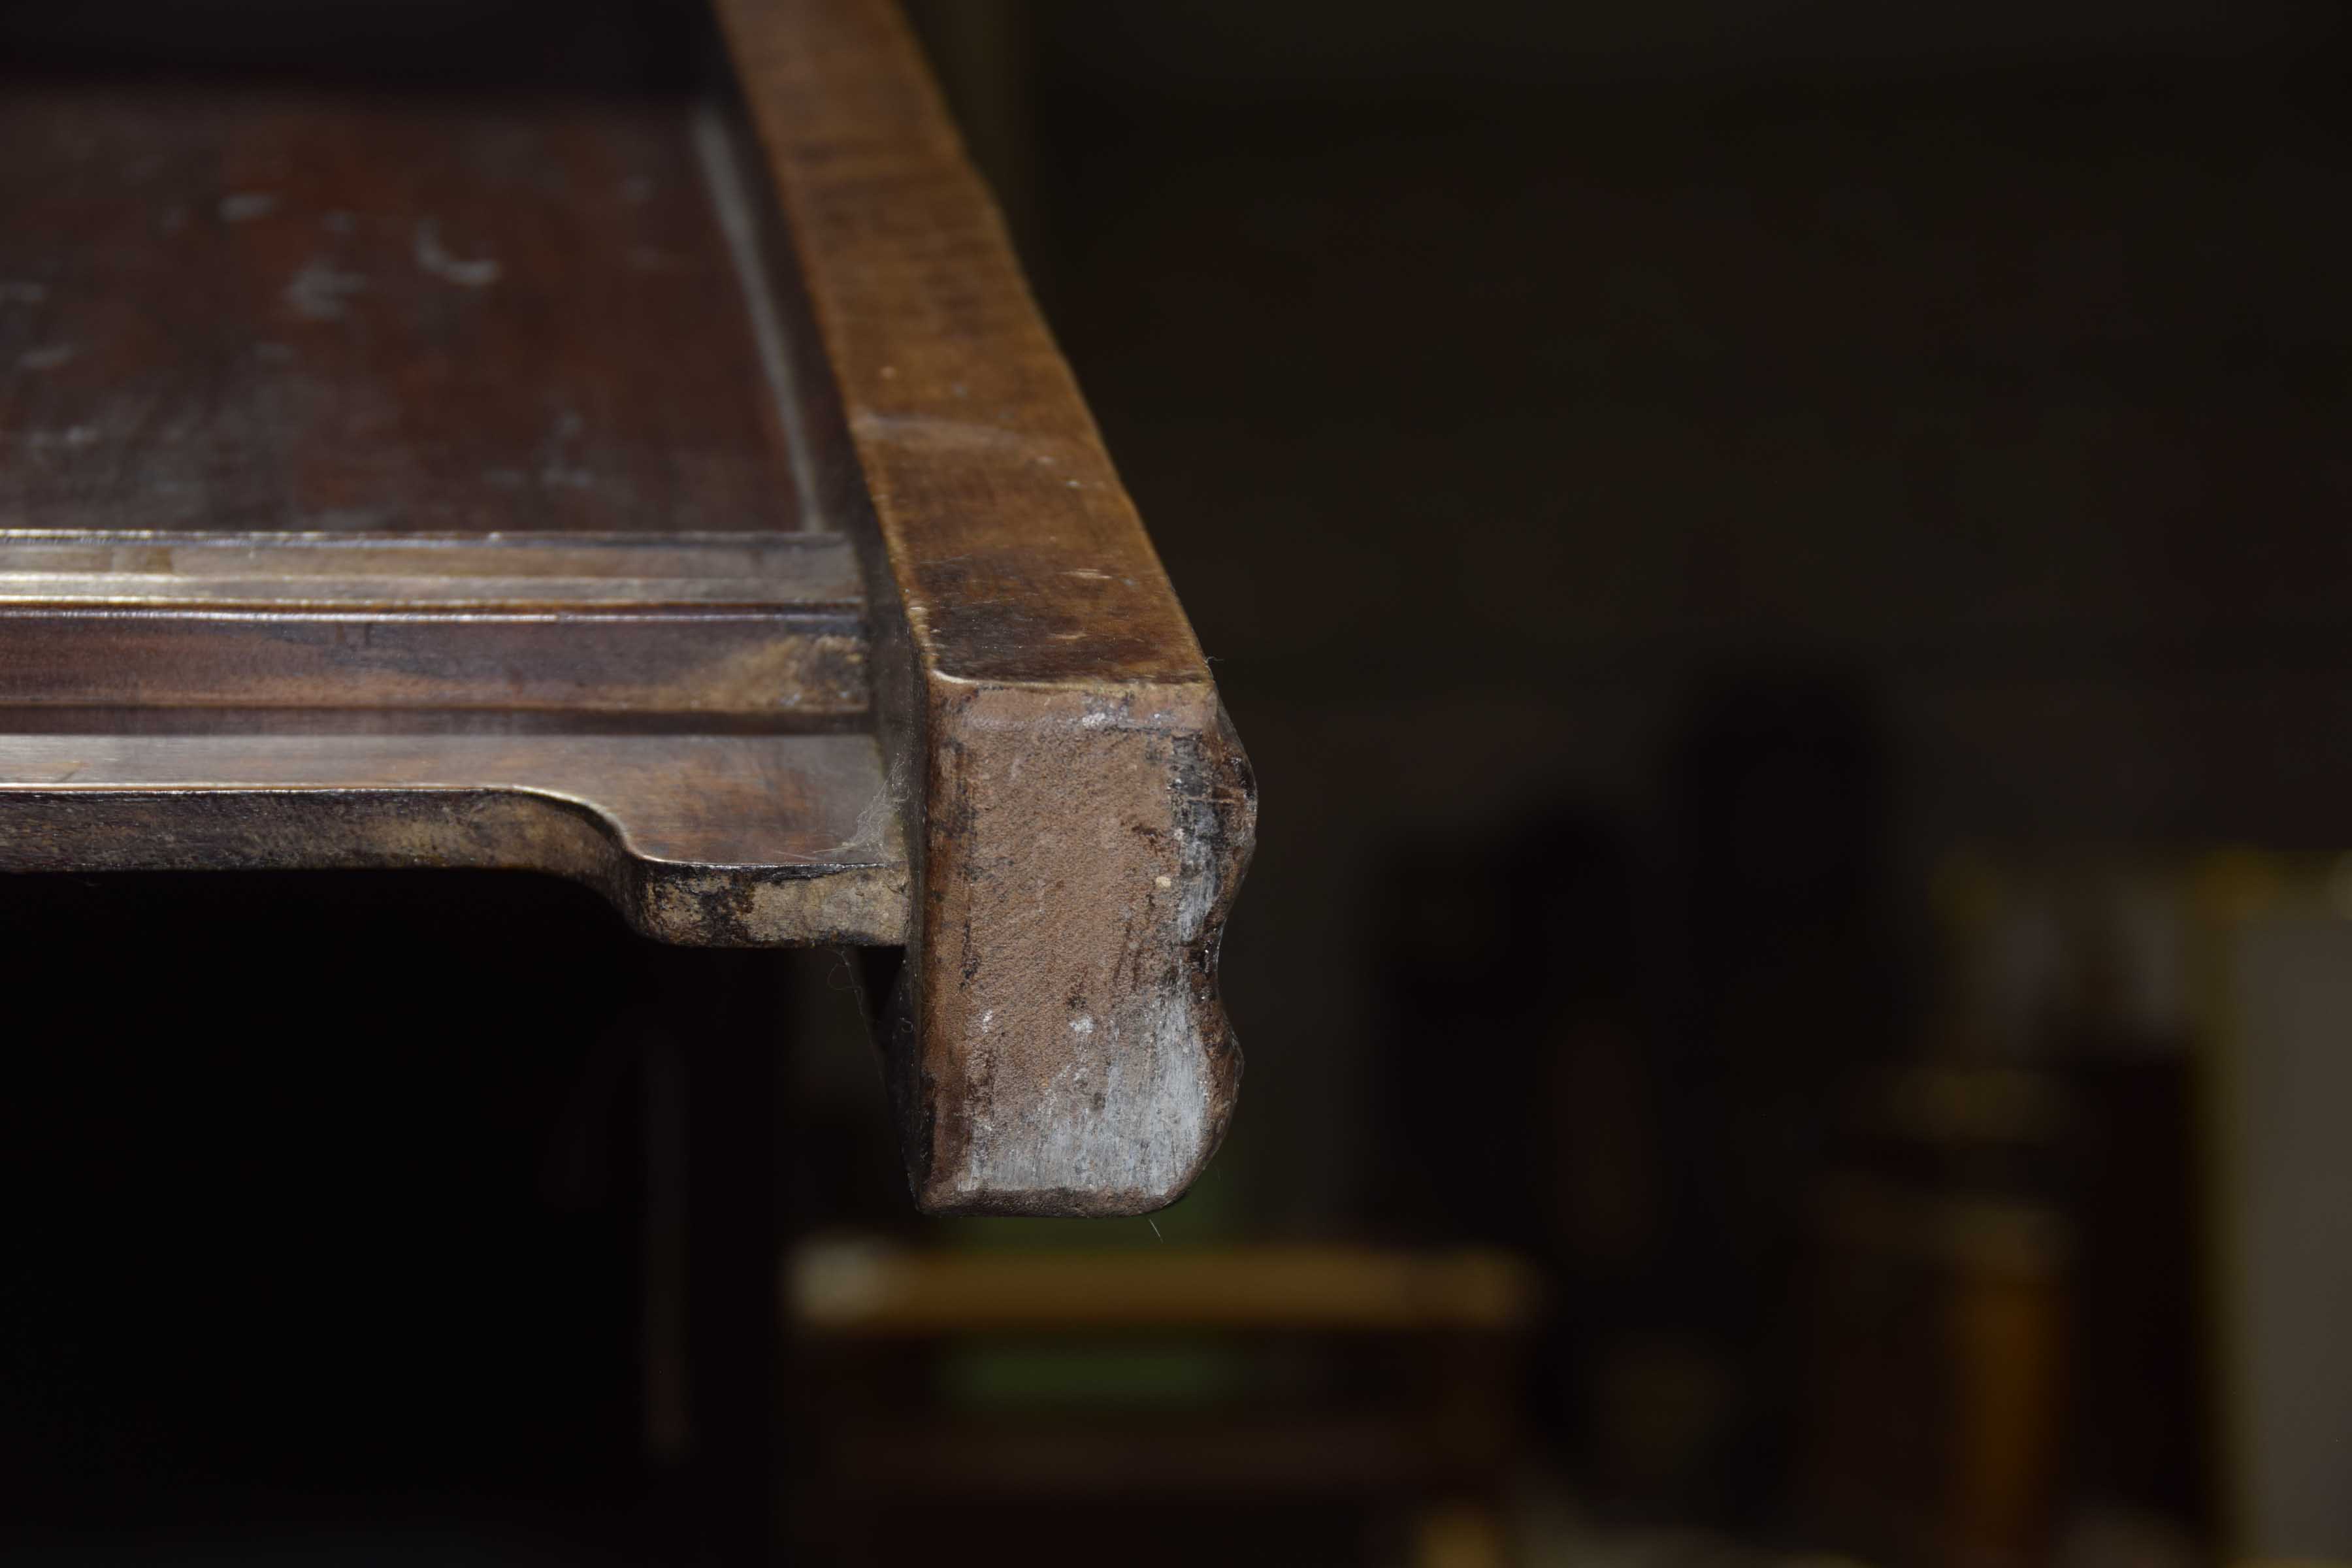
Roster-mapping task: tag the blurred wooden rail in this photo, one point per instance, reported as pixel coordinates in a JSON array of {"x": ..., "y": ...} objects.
[{"x": 856, "y": 1291}]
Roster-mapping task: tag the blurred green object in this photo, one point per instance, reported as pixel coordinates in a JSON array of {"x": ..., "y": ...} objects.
[{"x": 1192, "y": 1375}]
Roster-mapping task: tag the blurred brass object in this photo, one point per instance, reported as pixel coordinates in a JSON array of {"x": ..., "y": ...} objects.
[
  {"x": 854, "y": 1289},
  {"x": 1459, "y": 1537}
]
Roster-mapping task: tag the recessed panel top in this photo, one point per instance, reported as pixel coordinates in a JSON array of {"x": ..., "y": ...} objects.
[{"x": 225, "y": 308}]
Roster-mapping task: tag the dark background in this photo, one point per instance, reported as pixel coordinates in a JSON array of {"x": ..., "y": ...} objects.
[{"x": 1527, "y": 398}]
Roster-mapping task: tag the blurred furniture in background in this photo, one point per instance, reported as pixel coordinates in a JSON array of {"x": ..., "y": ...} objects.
[
  {"x": 1938, "y": 1303},
  {"x": 1380, "y": 1387},
  {"x": 2274, "y": 962},
  {"x": 2079, "y": 1270}
]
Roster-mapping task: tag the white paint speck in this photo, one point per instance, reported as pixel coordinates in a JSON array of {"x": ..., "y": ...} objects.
[
  {"x": 1163, "y": 881},
  {"x": 318, "y": 291},
  {"x": 244, "y": 207},
  {"x": 76, "y": 436},
  {"x": 1082, "y": 1025},
  {"x": 435, "y": 258}
]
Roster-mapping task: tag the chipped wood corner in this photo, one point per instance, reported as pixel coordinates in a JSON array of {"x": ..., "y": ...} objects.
[
  {"x": 1078, "y": 810},
  {"x": 1057, "y": 1042}
]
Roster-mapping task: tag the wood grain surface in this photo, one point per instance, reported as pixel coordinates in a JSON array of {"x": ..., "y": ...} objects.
[
  {"x": 755, "y": 628},
  {"x": 712, "y": 840},
  {"x": 234, "y": 306},
  {"x": 410, "y": 480},
  {"x": 812, "y": 572},
  {"x": 1078, "y": 809}
]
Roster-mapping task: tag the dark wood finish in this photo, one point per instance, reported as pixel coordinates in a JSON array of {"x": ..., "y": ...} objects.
[
  {"x": 1078, "y": 809},
  {"x": 401, "y": 480},
  {"x": 764, "y": 628},
  {"x": 718, "y": 840},
  {"x": 242, "y": 308},
  {"x": 714, "y": 664},
  {"x": 808, "y": 572}
]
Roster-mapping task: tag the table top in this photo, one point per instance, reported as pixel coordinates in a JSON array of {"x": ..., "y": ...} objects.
[
  {"x": 669, "y": 487},
  {"x": 229, "y": 306}
]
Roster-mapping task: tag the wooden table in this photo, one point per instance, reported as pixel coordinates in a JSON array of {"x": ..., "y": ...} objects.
[{"x": 670, "y": 487}]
